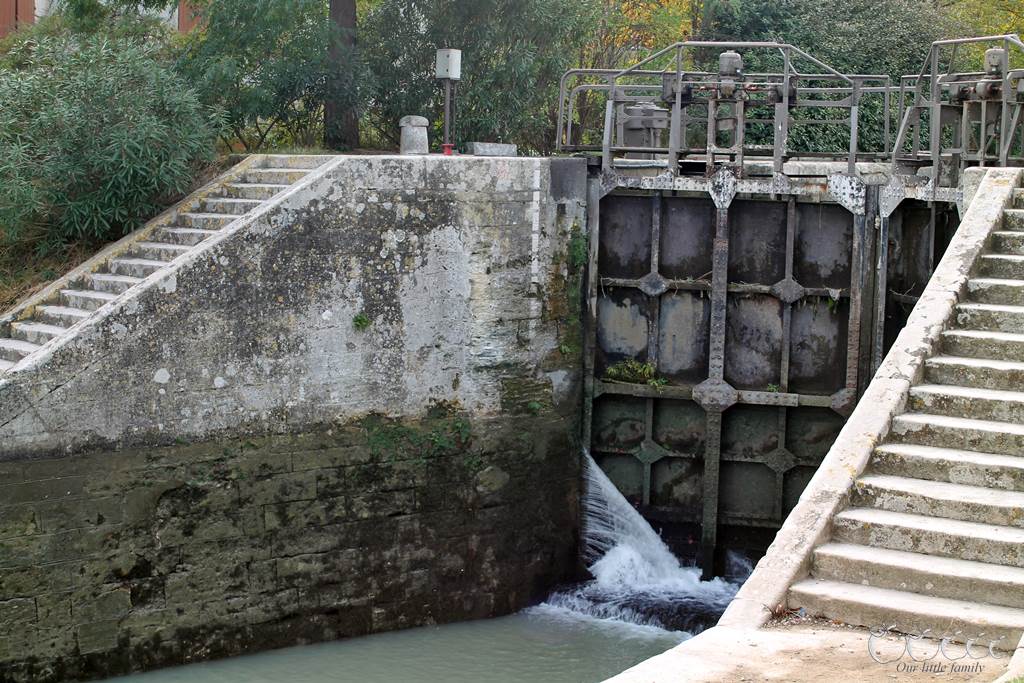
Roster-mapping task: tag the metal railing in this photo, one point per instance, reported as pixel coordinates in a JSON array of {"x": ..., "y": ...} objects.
[
  {"x": 956, "y": 119},
  {"x": 675, "y": 114}
]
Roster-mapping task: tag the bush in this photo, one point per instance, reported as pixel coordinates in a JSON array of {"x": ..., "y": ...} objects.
[
  {"x": 96, "y": 135},
  {"x": 267, "y": 64}
]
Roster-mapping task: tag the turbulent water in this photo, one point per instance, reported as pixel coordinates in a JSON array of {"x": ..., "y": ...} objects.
[{"x": 637, "y": 579}]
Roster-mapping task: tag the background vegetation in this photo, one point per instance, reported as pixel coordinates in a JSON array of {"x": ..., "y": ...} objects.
[{"x": 106, "y": 115}]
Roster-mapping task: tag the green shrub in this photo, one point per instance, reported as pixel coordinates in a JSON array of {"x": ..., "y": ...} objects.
[
  {"x": 126, "y": 18},
  {"x": 96, "y": 135}
]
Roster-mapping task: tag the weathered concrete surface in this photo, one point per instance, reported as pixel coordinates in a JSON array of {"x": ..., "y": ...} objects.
[
  {"x": 459, "y": 266},
  {"x": 804, "y": 652},
  {"x": 354, "y": 412}
]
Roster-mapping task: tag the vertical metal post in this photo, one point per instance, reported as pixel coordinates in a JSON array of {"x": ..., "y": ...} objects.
[
  {"x": 858, "y": 265},
  {"x": 983, "y": 137},
  {"x": 590, "y": 311},
  {"x": 447, "y": 111},
  {"x": 881, "y": 293},
  {"x": 781, "y": 141},
  {"x": 935, "y": 124},
  {"x": 787, "y": 341},
  {"x": 716, "y": 371},
  {"x": 886, "y": 124},
  {"x": 1004, "y": 120},
  {"x": 677, "y": 113},
  {"x": 854, "y": 107},
  {"x": 712, "y": 135},
  {"x": 606, "y": 141},
  {"x": 739, "y": 133}
]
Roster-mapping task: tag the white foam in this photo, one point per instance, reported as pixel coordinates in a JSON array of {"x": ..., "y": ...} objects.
[{"x": 631, "y": 565}]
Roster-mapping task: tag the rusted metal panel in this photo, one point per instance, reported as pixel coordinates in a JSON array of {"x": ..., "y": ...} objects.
[{"x": 742, "y": 313}]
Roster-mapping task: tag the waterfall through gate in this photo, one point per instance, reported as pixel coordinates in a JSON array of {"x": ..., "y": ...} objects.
[{"x": 636, "y": 578}]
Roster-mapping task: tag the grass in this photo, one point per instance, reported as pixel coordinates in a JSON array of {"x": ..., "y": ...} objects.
[
  {"x": 633, "y": 371},
  {"x": 24, "y": 271},
  {"x": 361, "y": 322}
]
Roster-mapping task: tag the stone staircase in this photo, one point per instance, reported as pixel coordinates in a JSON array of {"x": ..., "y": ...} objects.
[
  {"x": 179, "y": 232},
  {"x": 933, "y": 536}
]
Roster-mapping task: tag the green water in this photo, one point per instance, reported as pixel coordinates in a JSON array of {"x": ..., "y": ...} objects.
[{"x": 543, "y": 644}]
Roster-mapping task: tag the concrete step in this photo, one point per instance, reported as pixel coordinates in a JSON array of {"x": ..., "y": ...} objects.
[
  {"x": 941, "y": 577},
  {"x": 300, "y": 161},
  {"x": 86, "y": 299},
  {"x": 1003, "y": 266},
  {"x": 939, "y": 499},
  {"x": 934, "y": 463},
  {"x": 185, "y": 236},
  {"x": 135, "y": 267},
  {"x": 1008, "y": 242},
  {"x": 973, "y": 541},
  {"x": 61, "y": 315},
  {"x": 274, "y": 176},
  {"x": 981, "y": 436},
  {"x": 205, "y": 221},
  {"x": 260, "y": 191},
  {"x": 230, "y": 205},
  {"x": 972, "y": 402},
  {"x": 996, "y": 291},
  {"x": 1013, "y": 219},
  {"x": 983, "y": 344},
  {"x": 6, "y": 365},
  {"x": 36, "y": 332},
  {"x": 114, "y": 284},
  {"x": 14, "y": 350},
  {"x": 909, "y": 612},
  {"x": 159, "y": 251},
  {"x": 992, "y": 317},
  {"x": 975, "y": 372}
]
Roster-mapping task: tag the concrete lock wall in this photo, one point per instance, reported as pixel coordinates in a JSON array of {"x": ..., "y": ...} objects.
[{"x": 355, "y": 413}]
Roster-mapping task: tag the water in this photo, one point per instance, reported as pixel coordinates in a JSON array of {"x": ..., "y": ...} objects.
[
  {"x": 637, "y": 579},
  {"x": 640, "y": 603},
  {"x": 542, "y": 644}
]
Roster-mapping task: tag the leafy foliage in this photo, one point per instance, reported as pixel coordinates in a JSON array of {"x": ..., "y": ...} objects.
[
  {"x": 513, "y": 53},
  {"x": 884, "y": 37},
  {"x": 95, "y": 136},
  {"x": 266, "y": 64},
  {"x": 634, "y": 372},
  {"x": 90, "y": 16}
]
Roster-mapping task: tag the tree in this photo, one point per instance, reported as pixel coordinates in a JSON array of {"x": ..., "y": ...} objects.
[
  {"x": 513, "y": 53},
  {"x": 341, "y": 121},
  {"x": 623, "y": 33},
  {"x": 266, "y": 64}
]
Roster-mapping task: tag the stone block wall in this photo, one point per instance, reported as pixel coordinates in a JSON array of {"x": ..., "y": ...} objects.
[{"x": 355, "y": 413}]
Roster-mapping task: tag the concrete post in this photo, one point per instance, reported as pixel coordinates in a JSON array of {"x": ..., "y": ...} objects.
[{"x": 414, "y": 135}]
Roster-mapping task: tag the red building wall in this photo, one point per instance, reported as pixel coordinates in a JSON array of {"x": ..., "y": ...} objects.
[
  {"x": 14, "y": 12},
  {"x": 186, "y": 17}
]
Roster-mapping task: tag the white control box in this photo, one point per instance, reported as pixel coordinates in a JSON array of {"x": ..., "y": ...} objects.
[{"x": 449, "y": 64}]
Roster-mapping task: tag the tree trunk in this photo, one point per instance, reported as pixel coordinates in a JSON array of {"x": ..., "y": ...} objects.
[{"x": 341, "y": 123}]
